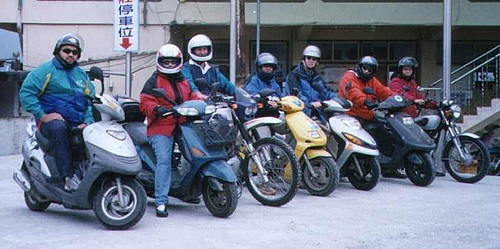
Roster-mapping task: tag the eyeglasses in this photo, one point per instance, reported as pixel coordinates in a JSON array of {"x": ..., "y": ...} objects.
[
  {"x": 311, "y": 58},
  {"x": 68, "y": 51}
]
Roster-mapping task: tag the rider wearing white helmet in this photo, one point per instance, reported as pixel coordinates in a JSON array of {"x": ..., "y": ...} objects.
[
  {"x": 200, "y": 53},
  {"x": 160, "y": 129}
]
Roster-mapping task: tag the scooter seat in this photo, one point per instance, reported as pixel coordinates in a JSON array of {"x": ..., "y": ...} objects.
[
  {"x": 137, "y": 131},
  {"x": 43, "y": 142}
]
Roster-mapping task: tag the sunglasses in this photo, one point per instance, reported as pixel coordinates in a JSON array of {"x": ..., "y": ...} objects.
[
  {"x": 311, "y": 58},
  {"x": 71, "y": 51}
]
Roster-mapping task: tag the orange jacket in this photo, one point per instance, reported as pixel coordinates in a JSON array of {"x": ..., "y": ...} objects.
[{"x": 351, "y": 88}]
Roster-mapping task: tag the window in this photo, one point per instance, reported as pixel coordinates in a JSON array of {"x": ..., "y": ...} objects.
[
  {"x": 325, "y": 48},
  {"x": 375, "y": 49},
  {"x": 345, "y": 51},
  {"x": 400, "y": 50}
]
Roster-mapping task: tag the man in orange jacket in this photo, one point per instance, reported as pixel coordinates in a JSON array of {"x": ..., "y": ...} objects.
[{"x": 351, "y": 87}]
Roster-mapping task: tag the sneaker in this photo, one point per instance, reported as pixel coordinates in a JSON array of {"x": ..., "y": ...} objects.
[
  {"x": 393, "y": 174},
  {"x": 440, "y": 174},
  {"x": 266, "y": 189},
  {"x": 161, "y": 211},
  {"x": 71, "y": 184}
]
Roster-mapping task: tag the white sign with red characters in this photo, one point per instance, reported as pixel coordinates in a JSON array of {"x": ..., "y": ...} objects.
[{"x": 126, "y": 25}]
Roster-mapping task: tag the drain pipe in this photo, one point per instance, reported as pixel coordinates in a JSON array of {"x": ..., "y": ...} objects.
[
  {"x": 447, "y": 49},
  {"x": 19, "y": 22}
]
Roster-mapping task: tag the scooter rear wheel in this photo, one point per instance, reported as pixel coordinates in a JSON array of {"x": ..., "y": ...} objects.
[
  {"x": 423, "y": 174},
  {"x": 111, "y": 214},
  {"x": 220, "y": 203},
  {"x": 282, "y": 171}
]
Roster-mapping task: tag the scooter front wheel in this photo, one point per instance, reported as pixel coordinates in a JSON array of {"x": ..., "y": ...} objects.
[
  {"x": 370, "y": 175},
  {"x": 477, "y": 160},
  {"x": 326, "y": 179},
  {"x": 220, "y": 203},
  {"x": 35, "y": 205},
  {"x": 422, "y": 174},
  {"x": 281, "y": 171},
  {"x": 116, "y": 214}
]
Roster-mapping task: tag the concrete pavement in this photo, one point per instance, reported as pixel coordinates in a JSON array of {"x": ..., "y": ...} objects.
[{"x": 396, "y": 214}]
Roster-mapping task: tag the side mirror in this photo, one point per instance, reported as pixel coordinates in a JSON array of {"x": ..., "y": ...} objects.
[
  {"x": 295, "y": 91},
  {"x": 215, "y": 86},
  {"x": 406, "y": 89},
  {"x": 267, "y": 92},
  {"x": 317, "y": 86},
  {"x": 96, "y": 73},
  {"x": 368, "y": 90},
  {"x": 201, "y": 82}
]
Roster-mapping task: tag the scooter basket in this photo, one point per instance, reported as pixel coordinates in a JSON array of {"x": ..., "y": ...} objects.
[{"x": 216, "y": 132}]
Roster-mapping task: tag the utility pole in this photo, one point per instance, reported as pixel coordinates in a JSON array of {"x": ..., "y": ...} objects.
[
  {"x": 446, "y": 49},
  {"x": 241, "y": 65}
]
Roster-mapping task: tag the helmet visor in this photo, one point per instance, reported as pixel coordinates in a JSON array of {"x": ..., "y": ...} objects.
[{"x": 169, "y": 62}]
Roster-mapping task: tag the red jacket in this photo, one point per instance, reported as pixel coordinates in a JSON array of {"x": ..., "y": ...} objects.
[
  {"x": 397, "y": 84},
  {"x": 351, "y": 88},
  {"x": 178, "y": 91}
]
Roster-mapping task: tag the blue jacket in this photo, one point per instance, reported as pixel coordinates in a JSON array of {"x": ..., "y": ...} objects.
[
  {"x": 192, "y": 72},
  {"x": 51, "y": 88},
  {"x": 300, "y": 79},
  {"x": 255, "y": 85}
]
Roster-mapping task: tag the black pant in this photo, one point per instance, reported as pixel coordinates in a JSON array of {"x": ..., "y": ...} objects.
[{"x": 57, "y": 131}]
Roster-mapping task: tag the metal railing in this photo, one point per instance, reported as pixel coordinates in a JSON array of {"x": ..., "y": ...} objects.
[{"x": 476, "y": 83}]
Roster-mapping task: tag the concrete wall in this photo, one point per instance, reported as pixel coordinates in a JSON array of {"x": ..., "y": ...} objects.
[{"x": 13, "y": 132}]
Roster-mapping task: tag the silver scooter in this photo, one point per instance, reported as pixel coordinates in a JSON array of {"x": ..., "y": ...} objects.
[{"x": 106, "y": 159}]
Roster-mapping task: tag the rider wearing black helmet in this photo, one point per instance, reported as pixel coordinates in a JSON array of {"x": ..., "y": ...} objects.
[{"x": 58, "y": 94}]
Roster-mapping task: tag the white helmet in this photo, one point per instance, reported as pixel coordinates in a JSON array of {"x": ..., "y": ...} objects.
[
  {"x": 312, "y": 51},
  {"x": 169, "y": 52},
  {"x": 200, "y": 41}
]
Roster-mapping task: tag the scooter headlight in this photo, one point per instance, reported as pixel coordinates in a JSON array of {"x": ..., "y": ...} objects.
[
  {"x": 209, "y": 109},
  {"x": 314, "y": 134},
  {"x": 120, "y": 135},
  {"x": 456, "y": 111},
  {"x": 188, "y": 111},
  {"x": 351, "y": 123}
]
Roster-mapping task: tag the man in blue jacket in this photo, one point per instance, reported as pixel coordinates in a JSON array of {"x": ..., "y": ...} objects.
[
  {"x": 265, "y": 66},
  {"x": 58, "y": 93},
  {"x": 200, "y": 52},
  {"x": 302, "y": 77}
]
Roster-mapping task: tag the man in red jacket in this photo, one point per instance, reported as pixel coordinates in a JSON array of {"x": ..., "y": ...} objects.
[
  {"x": 403, "y": 82},
  {"x": 161, "y": 126},
  {"x": 351, "y": 87}
]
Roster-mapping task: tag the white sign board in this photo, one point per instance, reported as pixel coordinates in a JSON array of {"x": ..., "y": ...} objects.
[{"x": 126, "y": 25}]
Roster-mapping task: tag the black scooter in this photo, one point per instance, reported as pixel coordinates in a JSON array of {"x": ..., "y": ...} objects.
[{"x": 401, "y": 142}]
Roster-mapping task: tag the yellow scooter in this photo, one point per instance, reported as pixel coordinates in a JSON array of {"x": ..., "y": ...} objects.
[{"x": 320, "y": 173}]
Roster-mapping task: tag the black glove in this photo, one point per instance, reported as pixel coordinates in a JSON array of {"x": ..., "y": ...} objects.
[
  {"x": 161, "y": 110},
  {"x": 370, "y": 104}
]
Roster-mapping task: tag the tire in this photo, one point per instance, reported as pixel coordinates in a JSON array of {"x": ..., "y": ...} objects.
[
  {"x": 106, "y": 204},
  {"x": 328, "y": 176},
  {"x": 479, "y": 153},
  {"x": 35, "y": 205},
  {"x": 371, "y": 172},
  {"x": 283, "y": 173},
  {"x": 220, "y": 204},
  {"x": 423, "y": 174}
]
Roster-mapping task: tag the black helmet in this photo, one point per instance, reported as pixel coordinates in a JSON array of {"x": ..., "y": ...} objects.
[
  {"x": 407, "y": 62},
  {"x": 69, "y": 39},
  {"x": 265, "y": 59},
  {"x": 369, "y": 63}
]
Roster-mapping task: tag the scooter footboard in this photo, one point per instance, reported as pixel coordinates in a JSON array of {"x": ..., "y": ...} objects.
[{"x": 219, "y": 169}]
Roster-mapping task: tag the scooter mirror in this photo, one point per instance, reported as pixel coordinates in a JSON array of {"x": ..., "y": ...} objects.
[
  {"x": 368, "y": 90},
  {"x": 201, "y": 82},
  {"x": 96, "y": 73},
  {"x": 406, "y": 89},
  {"x": 295, "y": 91},
  {"x": 317, "y": 86},
  {"x": 215, "y": 86},
  {"x": 267, "y": 92}
]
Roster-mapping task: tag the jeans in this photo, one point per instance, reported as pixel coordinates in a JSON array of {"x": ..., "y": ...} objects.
[
  {"x": 162, "y": 146},
  {"x": 57, "y": 131}
]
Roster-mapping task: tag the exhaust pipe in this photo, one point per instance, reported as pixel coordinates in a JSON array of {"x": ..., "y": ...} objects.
[{"x": 21, "y": 179}]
